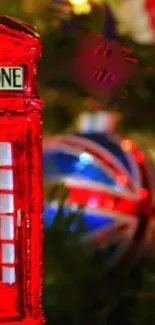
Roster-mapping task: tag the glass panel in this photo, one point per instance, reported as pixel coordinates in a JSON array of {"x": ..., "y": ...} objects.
[
  {"x": 5, "y": 154},
  {"x": 7, "y": 230},
  {"x": 6, "y": 203},
  {"x": 8, "y": 253},
  {"x": 8, "y": 274},
  {"x": 6, "y": 179}
]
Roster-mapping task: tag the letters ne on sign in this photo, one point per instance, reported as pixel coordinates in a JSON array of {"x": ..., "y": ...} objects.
[{"x": 11, "y": 78}]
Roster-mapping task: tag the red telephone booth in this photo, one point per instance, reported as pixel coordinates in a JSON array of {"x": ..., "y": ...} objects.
[{"x": 21, "y": 230}]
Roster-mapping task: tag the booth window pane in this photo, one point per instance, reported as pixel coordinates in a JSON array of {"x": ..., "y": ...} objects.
[
  {"x": 7, "y": 228},
  {"x": 5, "y": 154},
  {"x": 8, "y": 253},
  {"x": 6, "y": 203},
  {"x": 8, "y": 274},
  {"x": 6, "y": 179}
]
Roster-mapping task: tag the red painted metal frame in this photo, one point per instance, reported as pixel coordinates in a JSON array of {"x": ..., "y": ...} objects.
[{"x": 21, "y": 125}]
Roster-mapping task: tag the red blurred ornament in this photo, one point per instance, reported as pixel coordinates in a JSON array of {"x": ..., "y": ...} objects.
[
  {"x": 21, "y": 196},
  {"x": 102, "y": 67}
]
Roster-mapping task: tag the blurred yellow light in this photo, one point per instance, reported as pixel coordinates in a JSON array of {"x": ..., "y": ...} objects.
[
  {"x": 78, "y": 2},
  {"x": 82, "y": 9}
]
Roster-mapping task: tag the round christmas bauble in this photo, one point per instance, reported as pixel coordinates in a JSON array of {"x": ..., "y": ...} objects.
[
  {"x": 102, "y": 67},
  {"x": 111, "y": 177}
]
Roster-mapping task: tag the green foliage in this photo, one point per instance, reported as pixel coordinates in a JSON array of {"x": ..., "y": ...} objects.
[
  {"x": 67, "y": 265},
  {"x": 74, "y": 285},
  {"x": 77, "y": 287},
  {"x": 138, "y": 107},
  {"x": 143, "y": 311},
  {"x": 10, "y": 8}
]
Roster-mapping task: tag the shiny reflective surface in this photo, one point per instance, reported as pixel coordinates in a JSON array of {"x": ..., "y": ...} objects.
[
  {"x": 108, "y": 177},
  {"x": 80, "y": 166}
]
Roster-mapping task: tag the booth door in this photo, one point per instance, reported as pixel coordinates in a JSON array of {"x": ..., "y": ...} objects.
[{"x": 9, "y": 261}]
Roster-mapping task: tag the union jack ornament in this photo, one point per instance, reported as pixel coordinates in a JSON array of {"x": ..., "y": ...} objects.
[{"x": 110, "y": 177}]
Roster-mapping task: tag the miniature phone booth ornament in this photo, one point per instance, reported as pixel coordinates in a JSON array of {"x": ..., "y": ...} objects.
[
  {"x": 21, "y": 195},
  {"x": 110, "y": 177}
]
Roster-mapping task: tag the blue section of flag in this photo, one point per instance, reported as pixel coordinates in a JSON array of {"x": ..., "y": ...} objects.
[
  {"x": 92, "y": 222},
  {"x": 59, "y": 163},
  {"x": 110, "y": 146}
]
